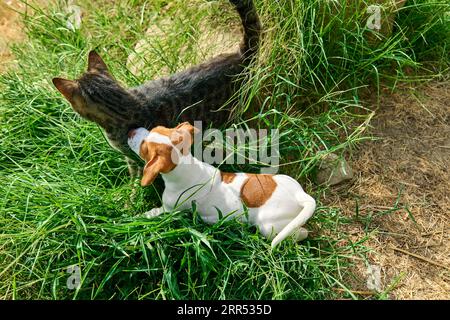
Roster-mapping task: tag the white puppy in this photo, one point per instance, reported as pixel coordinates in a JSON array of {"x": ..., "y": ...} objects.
[{"x": 276, "y": 204}]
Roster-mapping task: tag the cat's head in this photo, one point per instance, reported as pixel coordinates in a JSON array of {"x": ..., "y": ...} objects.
[{"x": 96, "y": 95}]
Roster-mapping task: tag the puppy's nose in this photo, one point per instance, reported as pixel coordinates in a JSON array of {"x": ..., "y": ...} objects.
[{"x": 131, "y": 133}]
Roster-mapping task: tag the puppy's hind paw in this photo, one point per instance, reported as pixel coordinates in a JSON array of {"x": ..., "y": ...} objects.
[{"x": 300, "y": 234}]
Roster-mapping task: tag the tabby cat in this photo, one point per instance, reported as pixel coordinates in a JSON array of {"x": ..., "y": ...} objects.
[{"x": 193, "y": 94}]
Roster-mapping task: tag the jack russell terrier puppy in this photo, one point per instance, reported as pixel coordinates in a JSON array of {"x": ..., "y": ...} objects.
[{"x": 276, "y": 204}]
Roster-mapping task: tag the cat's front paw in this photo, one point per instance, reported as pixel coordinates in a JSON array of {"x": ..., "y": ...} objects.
[{"x": 154, "y": 212}]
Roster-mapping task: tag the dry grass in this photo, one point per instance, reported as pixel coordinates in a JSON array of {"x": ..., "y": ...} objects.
[
  {"x": 213, "y": 37},
  {"x": 408, "y": 165}
]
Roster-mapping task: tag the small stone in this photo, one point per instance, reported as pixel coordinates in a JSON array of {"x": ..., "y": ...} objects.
[
  {"x": 333, "y": 170},
  {"x": 75, "y": 16}
]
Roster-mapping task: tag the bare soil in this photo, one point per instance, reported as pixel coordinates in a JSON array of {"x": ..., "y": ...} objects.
[
  {"x": 10, "y": 30},
  {"x": 407, "y": 168}
]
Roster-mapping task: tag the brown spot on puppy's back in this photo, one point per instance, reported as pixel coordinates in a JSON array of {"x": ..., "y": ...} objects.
[
  {"x": 257, "y": 189},
  {"x": 227, "y": 177}
]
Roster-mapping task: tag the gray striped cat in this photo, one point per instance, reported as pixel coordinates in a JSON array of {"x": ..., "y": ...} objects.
[{"x": 193, "y": 94}]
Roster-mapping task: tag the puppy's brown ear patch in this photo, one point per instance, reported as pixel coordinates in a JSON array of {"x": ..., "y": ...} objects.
[
  {"x": 151, "y": 171},
  {"x": 159, "y": 160},
  {"x": 96, "y": 63},
  {"x": 182, "y": 140},
  {"x": 68, "y": 88},
  {"x": 257, "y": 189},
  {"x": 227, "y": 177},
  {"x": 188, "y": 127}
]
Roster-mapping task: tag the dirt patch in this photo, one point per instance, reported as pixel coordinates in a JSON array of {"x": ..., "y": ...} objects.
[
  {"x": 11, "y": 27},
  {"x": 210, "y": 39},
  {"x": 407, "y": 168},
  {"x": 10, "y": 30}
]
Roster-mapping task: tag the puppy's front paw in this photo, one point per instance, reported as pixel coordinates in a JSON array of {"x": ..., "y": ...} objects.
[{"x": 153, "y": 213}]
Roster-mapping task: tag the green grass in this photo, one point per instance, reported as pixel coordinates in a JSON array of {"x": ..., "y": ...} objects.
[{"x": 64, "y": 190}]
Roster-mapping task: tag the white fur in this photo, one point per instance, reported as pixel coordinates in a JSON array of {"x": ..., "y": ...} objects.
[
  {"x": 158, "y": 138},
  {"x": 282, "y": 215},
  {"x": 135, "y": 141}
]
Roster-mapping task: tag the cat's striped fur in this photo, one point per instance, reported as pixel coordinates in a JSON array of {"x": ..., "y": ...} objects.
[{"x": 193, "y": 94}]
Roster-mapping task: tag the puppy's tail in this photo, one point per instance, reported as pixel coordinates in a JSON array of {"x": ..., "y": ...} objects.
[{"x": 309, "y": 205}]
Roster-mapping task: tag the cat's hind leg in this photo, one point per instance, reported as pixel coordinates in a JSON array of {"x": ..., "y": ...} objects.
[
  {"x": 135, "y": 171},
  {"x": 134, "y": 168}
]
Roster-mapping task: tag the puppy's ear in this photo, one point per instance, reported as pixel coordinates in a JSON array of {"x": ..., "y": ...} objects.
[
  {"x": 68, "y": 88},
  {"x": 183, "y": 137},
  {"x": 151, "y": 171},
  {"x": 188, "y": 127},
  {"x": 96, "y": 63},
  {"x": 182, "y": 124}
]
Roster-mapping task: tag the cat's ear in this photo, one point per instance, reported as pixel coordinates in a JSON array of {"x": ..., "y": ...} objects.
[
  {"x": 96, "y": 63},
  {"x": 68, "y": 88}
]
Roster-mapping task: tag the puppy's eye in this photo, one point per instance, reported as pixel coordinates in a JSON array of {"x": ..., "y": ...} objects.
[{"x": 144, "y": 149}]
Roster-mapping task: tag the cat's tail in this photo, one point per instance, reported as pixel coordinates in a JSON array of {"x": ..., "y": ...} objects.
[
  {"x": 252, "y": 28},
  {"x": 309, "y": 205}
]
